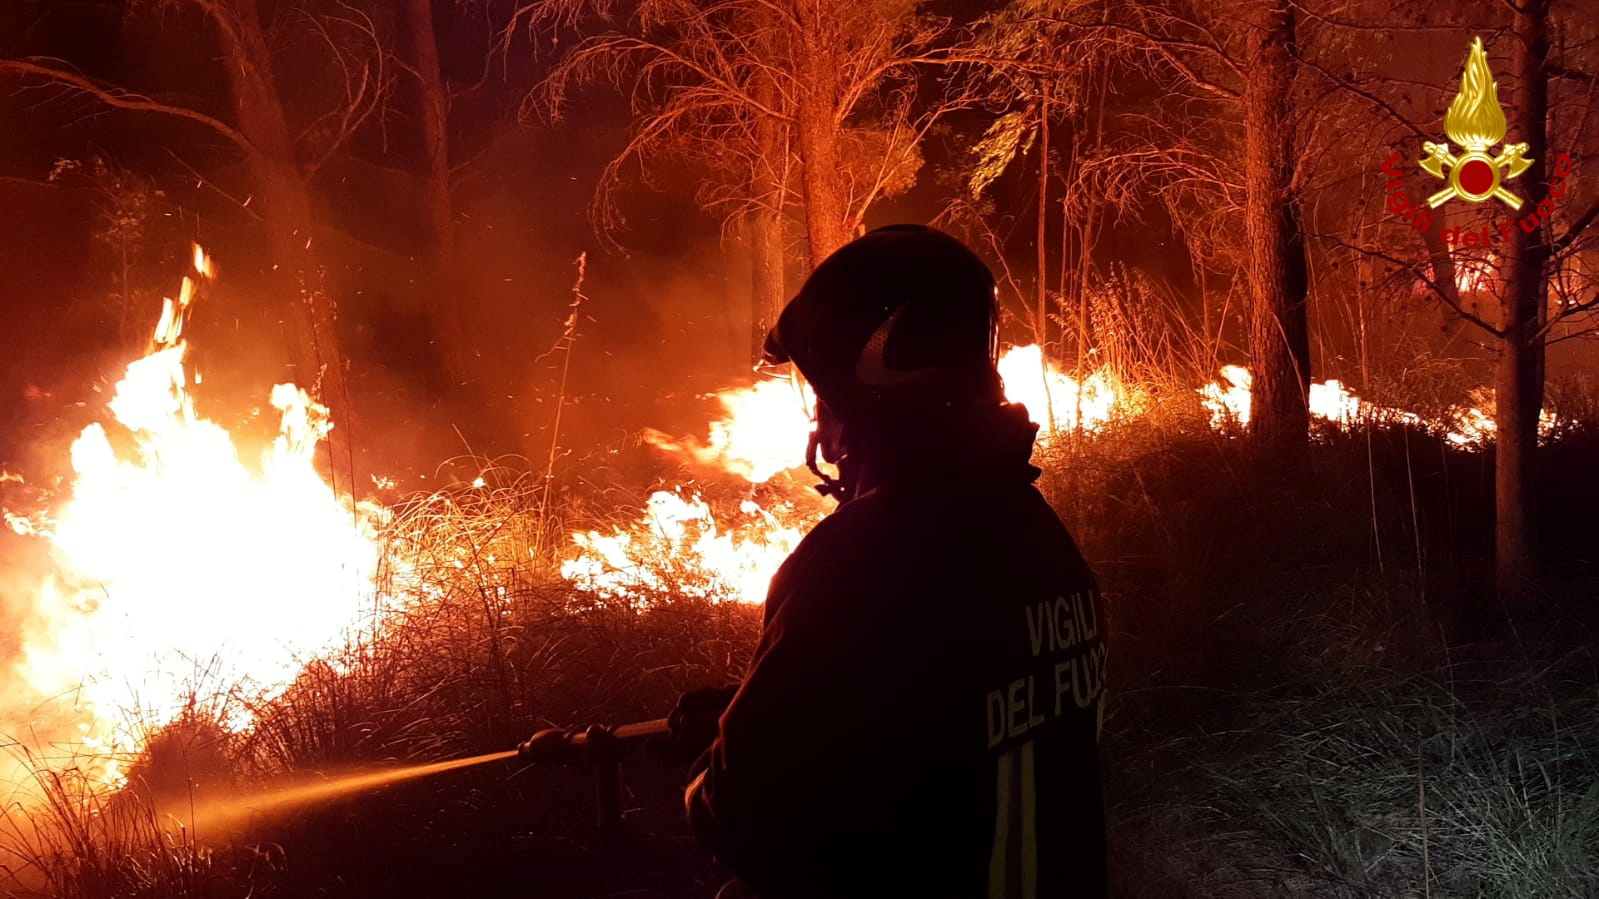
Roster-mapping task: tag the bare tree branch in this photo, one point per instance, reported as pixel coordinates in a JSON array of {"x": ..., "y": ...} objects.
[
  {"x": 1371, "y": 98},
  {"x": 121, "y": 98},
  {"x": 1414, "y": 269},
  {"x": 203, "y": 181},
  {"x": 1166, "y": 47},
  {"x": 365, "y": 86},
  {"x": 1576, "y": 230}
]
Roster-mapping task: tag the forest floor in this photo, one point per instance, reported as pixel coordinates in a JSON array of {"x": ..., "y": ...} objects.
[{"x": 1314, "y": 693}]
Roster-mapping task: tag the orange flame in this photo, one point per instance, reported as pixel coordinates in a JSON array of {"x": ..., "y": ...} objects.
[
  {"x": 678, "y": 543},
  {"x": 678, "y": 546},
  {"x": 180, "y": 568},
  {"x": 761, "y": 434},
  {"x": 1057, "y": 401},
  {"x": 1228, "y": 398}
]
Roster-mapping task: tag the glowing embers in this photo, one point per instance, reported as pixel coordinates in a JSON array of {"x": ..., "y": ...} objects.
[{"x": 678, "y": 547}]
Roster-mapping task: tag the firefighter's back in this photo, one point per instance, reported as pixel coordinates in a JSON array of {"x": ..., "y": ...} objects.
[{"x": 986, "y": 650}]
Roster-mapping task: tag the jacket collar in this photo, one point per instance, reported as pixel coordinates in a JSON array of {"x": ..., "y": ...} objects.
[{"x": 987, "y": 446}]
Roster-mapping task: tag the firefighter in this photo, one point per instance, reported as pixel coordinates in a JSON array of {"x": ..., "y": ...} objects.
[{"x": 922, "y": 713}]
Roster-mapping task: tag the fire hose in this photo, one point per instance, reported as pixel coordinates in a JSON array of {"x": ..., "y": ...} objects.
[{"x": 600, "y": 748}]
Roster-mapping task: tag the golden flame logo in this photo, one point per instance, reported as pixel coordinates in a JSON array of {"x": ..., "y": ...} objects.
[{"x": 1476, "y": 122}]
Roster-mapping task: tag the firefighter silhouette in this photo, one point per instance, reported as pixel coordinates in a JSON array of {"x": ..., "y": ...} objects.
[{"x": 921, "y": 716}]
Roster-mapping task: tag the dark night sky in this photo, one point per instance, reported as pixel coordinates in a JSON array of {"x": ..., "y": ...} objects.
[
  {"x": 659, "y": 305},
  {"x": 672, "y": 300},
  {"x": 665, "y": 317}
]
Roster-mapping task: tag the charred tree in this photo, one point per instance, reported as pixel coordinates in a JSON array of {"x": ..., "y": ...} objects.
[
  {"x": 419, "y": 42},
  {"x": 1279, "y": 335},
  {"x": 1520, "y": 376}
]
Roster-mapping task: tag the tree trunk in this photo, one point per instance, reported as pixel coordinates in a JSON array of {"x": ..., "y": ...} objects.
[
  {"x": 1279, "y": 337},
  {"x": 765, "y": 223},
  {"x": 766, "y": 275},
  {"x": 1521, "y": 357},
  {"x": 286, "y": 208},
  {"x": 1041, "y": 315},
  {"x": 827, "y": 223},
  {"x": 433, "y": 104},
  {"x": 1441, "y": 260}
]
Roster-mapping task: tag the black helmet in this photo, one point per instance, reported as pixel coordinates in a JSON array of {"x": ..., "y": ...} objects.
[{"x": 901, "y": 320}]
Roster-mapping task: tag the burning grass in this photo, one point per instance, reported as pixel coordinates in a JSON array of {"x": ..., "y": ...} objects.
[
  {"x": 482, "y": 644},
  {"x": 1309, "y": 754},
  {"x": 457, "y": 622},
  {"x": 174, "y": 560},
  {"x": 64, "y": 834}
]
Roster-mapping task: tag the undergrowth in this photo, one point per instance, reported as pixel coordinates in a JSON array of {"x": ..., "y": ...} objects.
[
  {"x": 1307, "y": 698},
  {"x": 1378, "y": 785}
]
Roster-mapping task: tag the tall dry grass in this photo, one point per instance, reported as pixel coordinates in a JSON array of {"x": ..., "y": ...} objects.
[
  {"x": 63, "y": 835},
  {"x": 1292, "y": 713},
  {"x": 1374, "y": 784}
]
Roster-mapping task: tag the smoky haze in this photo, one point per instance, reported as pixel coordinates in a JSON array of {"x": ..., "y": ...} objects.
[
  {"x": 100, "y": 205},
  {"x": 662, "y": 317}
]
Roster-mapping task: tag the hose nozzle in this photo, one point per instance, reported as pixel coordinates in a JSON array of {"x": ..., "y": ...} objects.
[
  {"x": 550, "y": 746},
  {"x": 573, "y": 745},
  {"x": 598, "y": 748}
]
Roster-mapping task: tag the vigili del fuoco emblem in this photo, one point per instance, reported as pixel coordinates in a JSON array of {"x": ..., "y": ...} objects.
[{"x": 1476, "y": 122}]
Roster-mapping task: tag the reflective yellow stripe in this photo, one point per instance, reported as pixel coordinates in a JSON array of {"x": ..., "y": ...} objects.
[
  {"x": 999, "y": 859},
  {"x": 1029, "y": 825}
]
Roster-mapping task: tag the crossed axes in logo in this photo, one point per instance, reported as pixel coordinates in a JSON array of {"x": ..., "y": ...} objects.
[{"x": 1511, "y": 161}]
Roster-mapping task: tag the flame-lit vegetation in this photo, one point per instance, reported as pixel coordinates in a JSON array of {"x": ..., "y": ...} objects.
[
  {"x": 679, "y": 544},
  {"x": 680, "y": 548},
  {"x": 456, "y": 620},
  {"x": 181, "y": 567},
  {"x": 1350, "y": 625},
  {"x": 1471, "y": 425}
]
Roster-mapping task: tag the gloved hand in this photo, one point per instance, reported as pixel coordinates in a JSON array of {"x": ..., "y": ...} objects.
[{"x": 692, "y": 725}]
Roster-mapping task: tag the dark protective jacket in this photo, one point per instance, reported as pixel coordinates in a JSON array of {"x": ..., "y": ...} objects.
[{"x": 922, "y": 713}]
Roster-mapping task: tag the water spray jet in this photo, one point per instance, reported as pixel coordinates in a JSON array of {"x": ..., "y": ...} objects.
[
  {"x": 222, "y": 812},
  {"x": 598, "y": 747}
]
